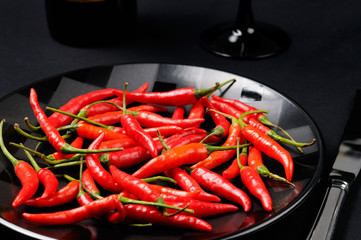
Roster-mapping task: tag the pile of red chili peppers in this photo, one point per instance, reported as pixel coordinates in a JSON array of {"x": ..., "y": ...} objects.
[{"x": 143, "y": 167}]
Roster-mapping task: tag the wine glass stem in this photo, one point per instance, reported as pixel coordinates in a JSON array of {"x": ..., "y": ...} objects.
[{"x": 244, "y": 18}]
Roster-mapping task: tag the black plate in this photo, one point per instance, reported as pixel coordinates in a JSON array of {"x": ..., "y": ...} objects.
[{"x": 58, "y": 90}]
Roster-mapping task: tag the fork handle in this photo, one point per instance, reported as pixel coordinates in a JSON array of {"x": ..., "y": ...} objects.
[{"x": 324, "y": 226}]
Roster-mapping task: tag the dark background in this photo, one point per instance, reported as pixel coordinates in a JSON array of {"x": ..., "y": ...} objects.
[{"x": 321, "y": 71}]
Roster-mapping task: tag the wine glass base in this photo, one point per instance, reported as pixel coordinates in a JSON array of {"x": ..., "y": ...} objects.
[{"x": 261, "y": 41}]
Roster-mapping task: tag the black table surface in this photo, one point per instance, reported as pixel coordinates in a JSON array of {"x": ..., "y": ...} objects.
[{"x": 321, "y": 71}]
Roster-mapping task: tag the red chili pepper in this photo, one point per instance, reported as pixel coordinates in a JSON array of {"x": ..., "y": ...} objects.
[
  {"x": 45, "y": 176},
  {"x": 251, "y": 120},
  {"x": 149, "y": 119},
  {"x": 178, "y": 113},
  {"x": 268, "y": 146},
  {"x": 197, "y": 110},
  {"x": 176, "y": 192},
  {"x": 221, "y": 186},
  {"x": 89, "y": 182},
  {"x": 97, "y": 171},
  {"x": 119, "y": 143},
  {"x": 24, "y": 171},
  {"x": 64, "y": 195},
  {"x": 233, "y": 170},
  {"x": 182, "y": 155},
  {"x": 75, "y": 104},
  {"x": 254, "y": 184},
  {"x": 187, "y": 183},
  {"x": 71, "y": 216},
  {"x": 178, "y": 97},
  {"x": 148, "y": 214},
  {"x": 255, "y": 161},
  {"x": 244, "y": 108},
  {"x": 134, "y": 185},
  {"x": 135, "y": 131},
  {"x": 204, "y": 209},
  {"x": 111, "y": 118},
  {"x": 219, "y": 157},
  {"x": 104, "y": 107},
  {"x": 221, "y": 122},
  {"x": 90, "y": 131},
  {"x": 52, "y": 133}
]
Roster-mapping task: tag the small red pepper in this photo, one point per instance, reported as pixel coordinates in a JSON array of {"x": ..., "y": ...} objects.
[
  {"x": 221, "y": 186},
  {"x": 89, "y": 182},
  {"x": 178, "y": 113},
  {"x": 104, "y": 107},
  {"x": 187, "y": 183},
  {"x": 64, "y": 195},
  {"x": 177, "y": 97},
  {"x": 148, "y": 214},
  {"x": 233, "y": 170},
  {"x": 52, "y": 133},
  {"x": 25, "y": 173},
  {"x": 71, "y": 216},
  {"x": 178, "y": 156},
  {"x": 97, "y": 171},
  {"x": 222, "y": 124}
]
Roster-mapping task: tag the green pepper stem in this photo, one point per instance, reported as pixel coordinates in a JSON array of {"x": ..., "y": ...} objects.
[
  {"x": 80, "y": 117},
  {"x": 277, "y": 137},
  {"x": 30, "y": 126},
  {"x": 198, "y": 93},
  {"x": 217, "y": 131},
  {"x": 32, "y": 160},
  {"x": 8, "y": 155},
  {"x": 156, "y": 204},
  {"x": 67, "y": 148},
  {"x": 264, "y": 172},
  {"x": 238, "y": 159},
  {"x": 211, "y": 148},
  {"x": 161, "y": 178}
]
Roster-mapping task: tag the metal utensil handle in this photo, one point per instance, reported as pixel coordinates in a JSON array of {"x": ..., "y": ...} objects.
[{"x": 327, "y": 217}]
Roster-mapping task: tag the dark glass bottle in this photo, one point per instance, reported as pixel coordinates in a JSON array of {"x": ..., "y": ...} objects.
[{"x": 90, "y": 23}]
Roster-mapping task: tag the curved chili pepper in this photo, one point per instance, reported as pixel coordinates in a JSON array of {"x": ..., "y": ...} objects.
[
  {"x": 75, "y": 104},
  {"x": 111, "y": 118},
  {"x": 204, "y": 209},
  {"x": 71, "y": 216},
  {"x": 46, "y": 177},
  {"x": 229, "y": 109},
  {"x": 24, "y": 171},
  {"x": 182, "y": 155},
  {"x": 104, "y": 107},
  {"x": 64, "y": 195},
  {"x": 178, "y": 113},
  {"x": 221, "y": 186},
  {"x": 221, "y": 122},
  {"x": 176, "y": 192},
  {"x": 119, "y": 143},
  {"x": 89, "y": 183},
  {"x": 97, "y": 171},
  {"x": 219, "y": 157},
  {"x": 177, "y": 97},
  {"x": 255, "y": 161},
  {"x": 268, "y": 146},
  {"x": 187, "y": 183},
  {"x": 197, "y": 110},
  {"x": 89, "y": 131},
  {"x": 134, "y": 185},
  {"x": 244, "y": 108},
  {"x": 233, "y": 170},
  {"x": 51, "y": 132},
  {"x": 254, "y": 183},
  {"x": 135, "y": 131},
  {"x": 148, "y": 214}
]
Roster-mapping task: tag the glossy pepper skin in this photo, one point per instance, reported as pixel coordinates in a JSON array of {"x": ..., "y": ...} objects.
[
  {"x": 148, "y": 214},
  {"x": 186, "y": 154},
  {"x": 71, "y": 216},
  {"x": 62, "y": 196},
  {"x": 221, "y": 187},
  {"x": 256, "y": 186},
  {"x": 24, "y": 171},
  {"x": 135, "y": 131},
  {"x": 97, "y": 171}
]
